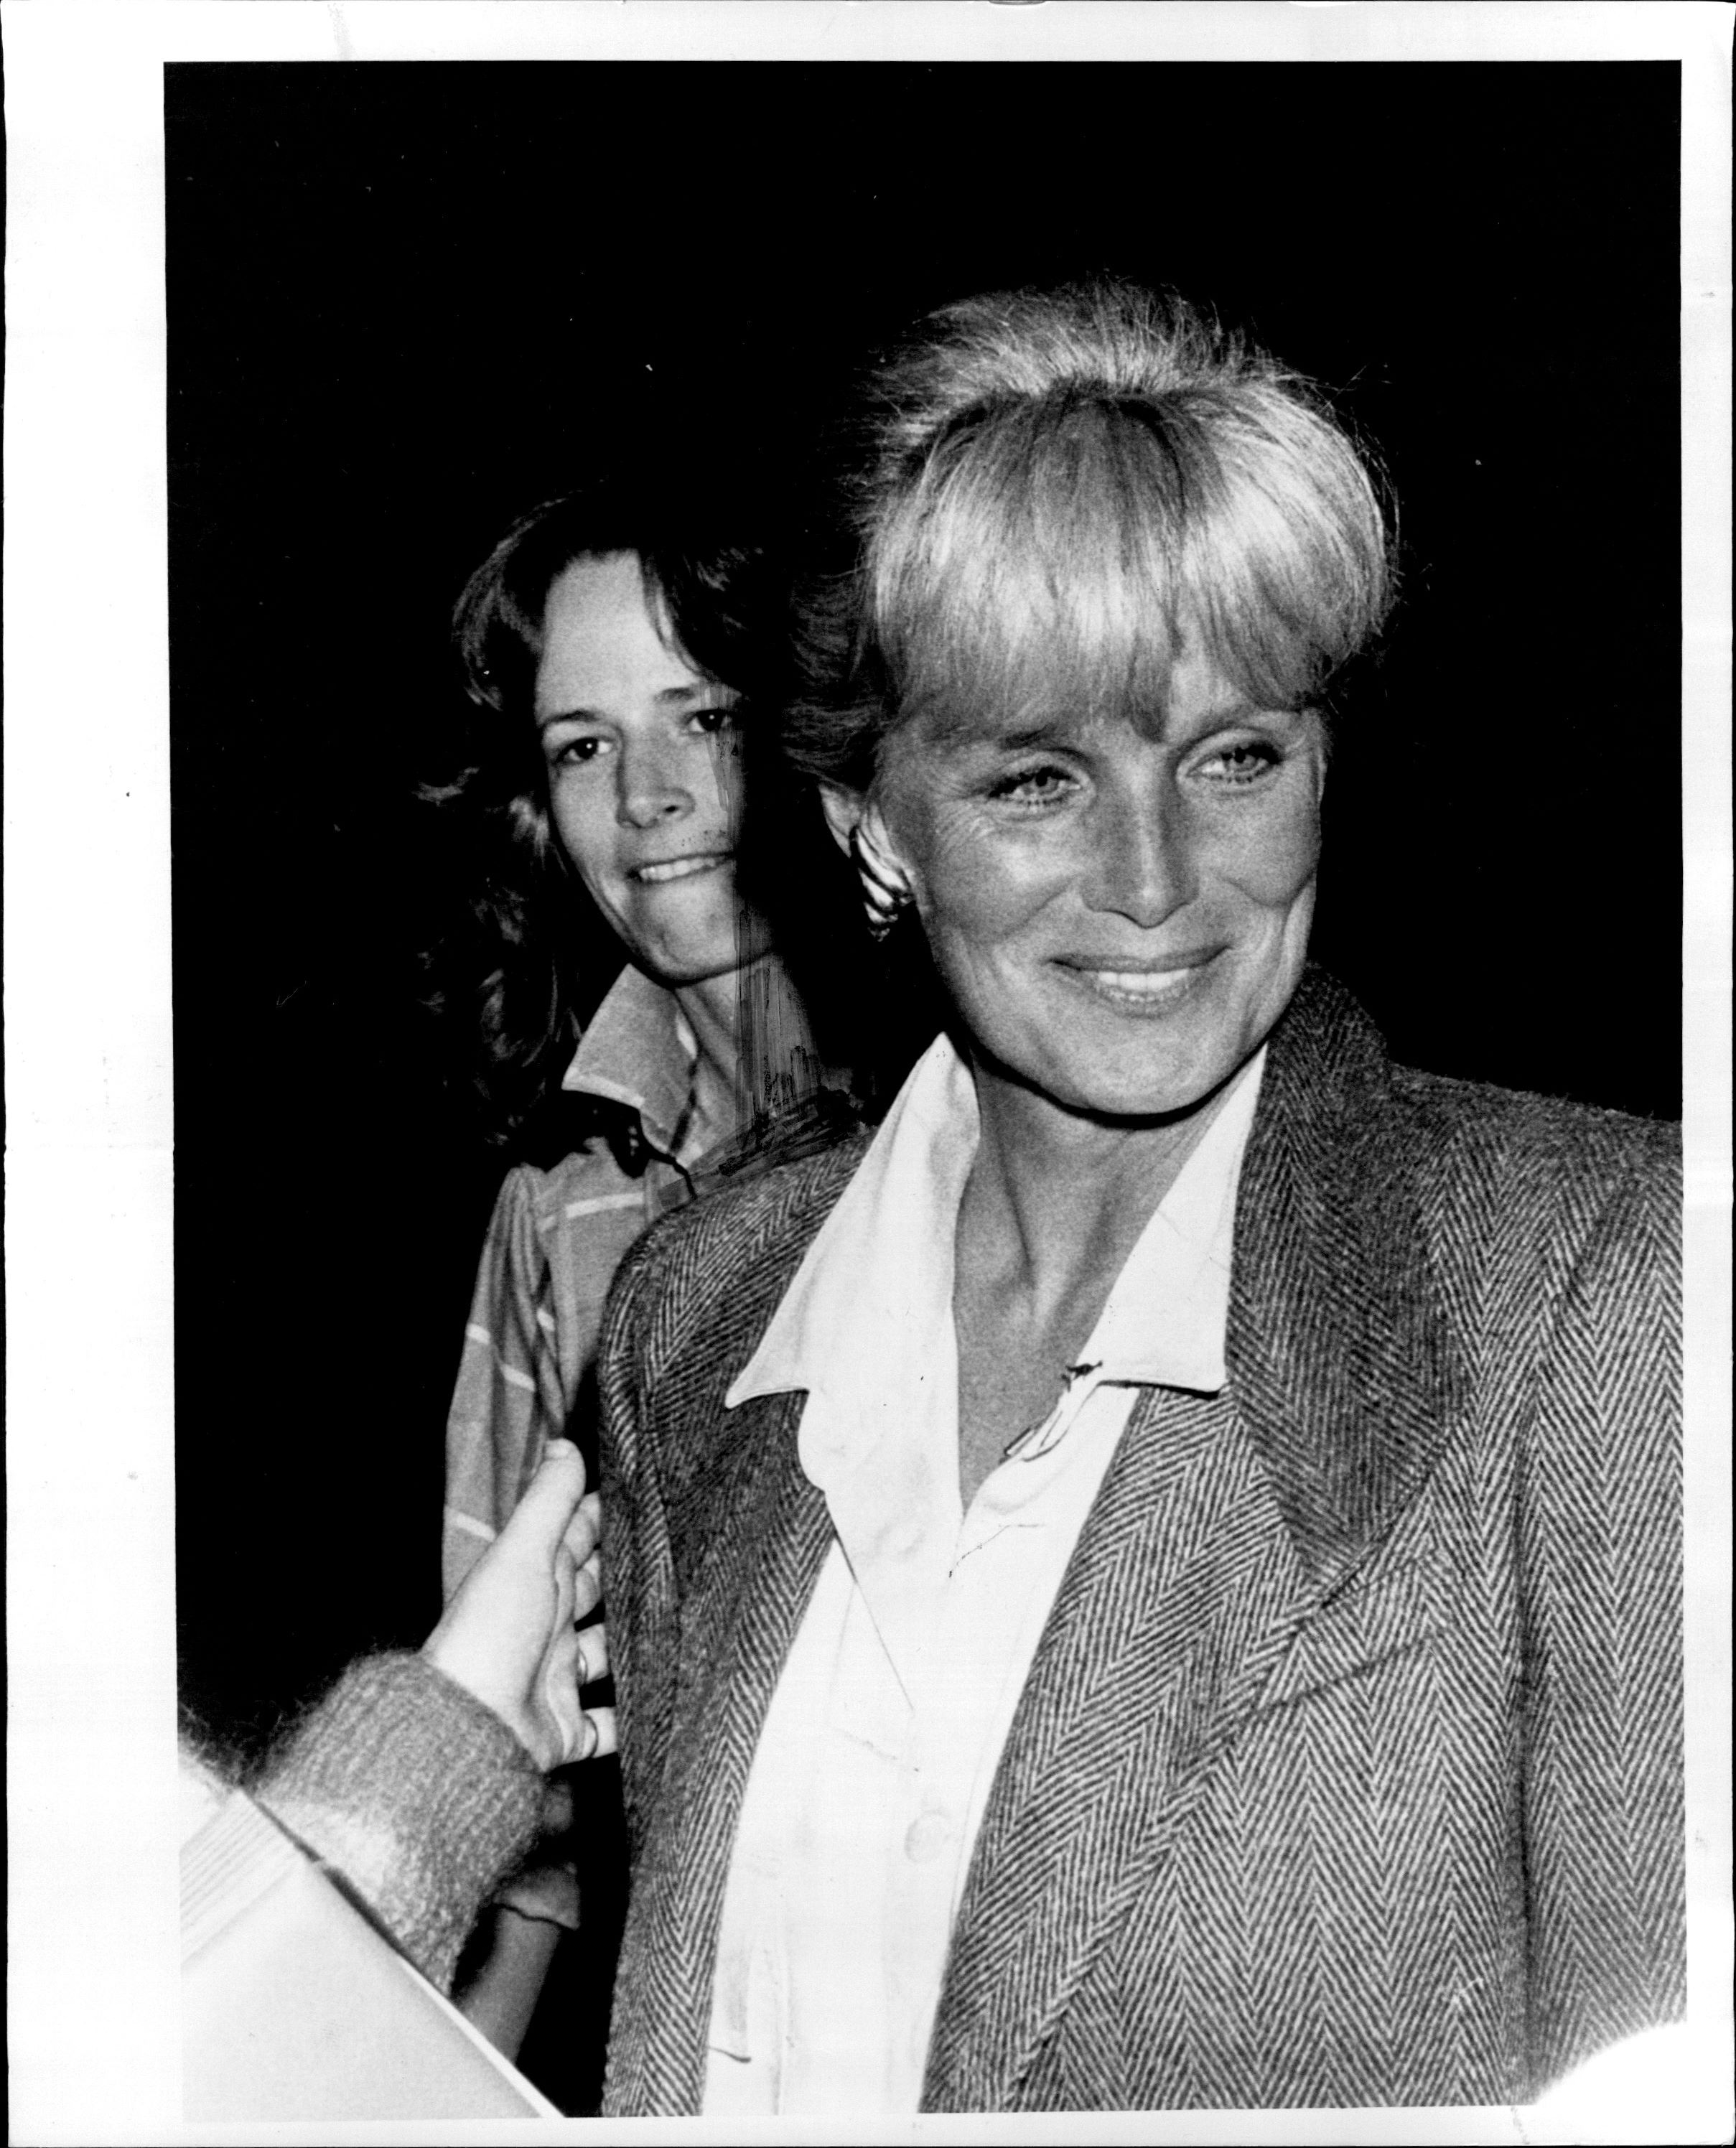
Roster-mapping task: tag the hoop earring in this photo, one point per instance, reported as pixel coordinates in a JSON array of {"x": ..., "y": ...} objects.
[{"x": 884, "y": 894}]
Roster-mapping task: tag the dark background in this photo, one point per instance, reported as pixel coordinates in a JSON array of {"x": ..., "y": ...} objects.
[{"x": 401, "y": 302}]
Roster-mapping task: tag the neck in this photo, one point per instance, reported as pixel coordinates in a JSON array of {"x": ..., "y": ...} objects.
[
  {"x": 756, "y": 1056},
  {"x": 1053, "y": 1198}
]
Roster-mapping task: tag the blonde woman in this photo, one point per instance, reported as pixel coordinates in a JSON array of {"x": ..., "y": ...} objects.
[{"x": 1152, "y": 1581}]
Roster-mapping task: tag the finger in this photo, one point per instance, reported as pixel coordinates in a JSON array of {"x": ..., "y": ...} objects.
[
  {"x": 566, "y": 1592},
  {"x": 601, "y": 1723},
  {"x": 557, "y": 1813},
  {"x": 561, "y": 1731},
  {"x": 593, "y": 1654},
  {"x": 539, "y": 1521},
  {"x": 588, "y": 1588},
  {"x": 585, "y": 1531}
]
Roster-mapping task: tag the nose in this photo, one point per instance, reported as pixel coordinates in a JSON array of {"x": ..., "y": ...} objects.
[
  {"x": 1142, "y": 865},
  {"x": 651, "y": 786}
]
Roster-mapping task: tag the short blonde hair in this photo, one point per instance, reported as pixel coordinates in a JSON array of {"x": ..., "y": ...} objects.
[{"x": 1047, "y": 494}]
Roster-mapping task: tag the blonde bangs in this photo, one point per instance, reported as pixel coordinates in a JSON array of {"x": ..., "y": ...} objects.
[
  {"x": 1057, "y": 557},
  {"x": 1047, "y": 496}
]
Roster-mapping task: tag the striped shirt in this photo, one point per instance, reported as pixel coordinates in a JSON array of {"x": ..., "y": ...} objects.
[
  {"x": 554, "y": 1243},
  {"x": 557, "y": 1235}
]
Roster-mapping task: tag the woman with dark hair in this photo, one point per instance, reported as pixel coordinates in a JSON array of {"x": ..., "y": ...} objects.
[
  {"x": 617, "y": 646},
  {"x": 1154, "y": 1581}
]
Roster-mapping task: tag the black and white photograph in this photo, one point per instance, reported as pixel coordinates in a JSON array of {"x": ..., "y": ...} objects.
[{"x": 920, "y": 817}]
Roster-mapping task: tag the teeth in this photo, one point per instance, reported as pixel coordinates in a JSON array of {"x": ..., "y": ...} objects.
[
  {"x": 679, "y": 868},
  {"x": 1140, "y": 984}
]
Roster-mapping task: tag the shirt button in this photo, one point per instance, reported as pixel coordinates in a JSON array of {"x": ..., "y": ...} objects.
[{"x": 927, "y": 1838}]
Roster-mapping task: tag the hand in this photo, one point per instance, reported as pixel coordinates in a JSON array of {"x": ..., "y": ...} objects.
[{"x": 508, "y": 1635}]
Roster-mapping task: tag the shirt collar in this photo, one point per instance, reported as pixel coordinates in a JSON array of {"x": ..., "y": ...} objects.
[
  {"x": 1164, "y": 1323},
  {"x": 639, "y": 1050},
  {"x": 875, "y": 1290},
  {"x": 882, "y": 1265}
]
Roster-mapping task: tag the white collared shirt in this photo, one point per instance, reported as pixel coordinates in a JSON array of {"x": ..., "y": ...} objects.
[{"x": 881, "y": 1742}]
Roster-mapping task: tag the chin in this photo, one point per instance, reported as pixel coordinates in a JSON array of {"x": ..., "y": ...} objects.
[
  {"x": 1134, "y": 1084},
  {"x": 1135, "y": 1100},
  {"x": 690, "y": 958},
  {"x": 695, "y": 970}
]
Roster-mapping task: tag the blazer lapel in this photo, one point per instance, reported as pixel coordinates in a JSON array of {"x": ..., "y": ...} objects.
[
  {"x": 767, "y": 1535},
  {"x": 1340, "y": 1354},
  {"x": 1225, "y": 1524},
  {"x": 1177, "y": 1605}
]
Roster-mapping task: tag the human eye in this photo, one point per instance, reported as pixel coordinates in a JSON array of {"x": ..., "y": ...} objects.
[
  {"x": 1238, "y": 763},
  {"x": 574, "y": 749},
  {"x": 715, "y": 720},
  {"x": 1036, "y": 787}
]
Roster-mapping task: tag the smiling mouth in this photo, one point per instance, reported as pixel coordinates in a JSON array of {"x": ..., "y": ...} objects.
[
  {"x": 1137, "y": 990},
  {"x": 701, "y": 861}
]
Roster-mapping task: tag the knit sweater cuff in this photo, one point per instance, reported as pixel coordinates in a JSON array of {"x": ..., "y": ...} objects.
[{"x": 415, "y": 1794}]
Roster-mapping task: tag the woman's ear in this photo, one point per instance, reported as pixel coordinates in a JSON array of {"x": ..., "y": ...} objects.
[
  {"x": 843, "y": 809},
  {"x": 859, "y": 831},
  {"x": 1322, "y": 752}
]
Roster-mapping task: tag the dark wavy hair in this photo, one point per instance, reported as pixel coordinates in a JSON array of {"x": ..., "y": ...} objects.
[{"x": 528, "y": 959}]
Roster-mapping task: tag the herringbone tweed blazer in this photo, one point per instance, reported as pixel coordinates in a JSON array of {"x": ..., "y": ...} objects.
[{"x": 1348, "y": 1769}]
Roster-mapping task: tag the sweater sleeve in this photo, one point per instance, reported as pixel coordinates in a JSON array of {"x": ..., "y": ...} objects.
[
  {"x": 412, "y": 1792},
  {"x": 1601, "y": 1561},
  {"x": 509, "y": 1400}
]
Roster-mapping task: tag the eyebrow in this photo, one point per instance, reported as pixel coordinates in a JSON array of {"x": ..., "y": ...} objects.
[
  {"x": 1065, "y": 732},
  {"x": 665, "y": 697},
  {"x": 1035, "y": 734},
  {"x": 964, "y": 730}
]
